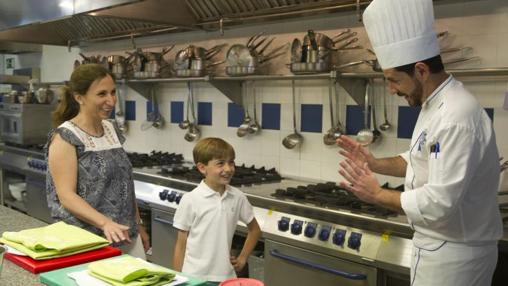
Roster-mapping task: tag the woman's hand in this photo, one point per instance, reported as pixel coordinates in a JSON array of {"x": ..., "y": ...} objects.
[
  {"x": 145, "y": 238},
  {"x": 115, "y": 232},
  {"x": 237, "y": 262},
  {"x": 354, "y": 151}
]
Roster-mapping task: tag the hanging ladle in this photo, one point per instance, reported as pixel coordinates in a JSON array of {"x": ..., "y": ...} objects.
[
  {"x": 254, "y": 126},
  {"x": 120, "y": 115},
  {"x": 329, "y": 137},
  {"x": 365, "y": 136},
  {"x": 185, "y": 124},
  {"x": 386, "y": 125},
  {"x": 193, "y": 133},
  {"x": 294, "y": 139},
  {"x": 375, "y": 132},
  {"x": 243, "y": 129},
  {"x": 339, "y": 129}
]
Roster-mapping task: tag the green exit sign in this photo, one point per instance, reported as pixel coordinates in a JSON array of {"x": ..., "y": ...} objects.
[{"x": 9, "y": 63}]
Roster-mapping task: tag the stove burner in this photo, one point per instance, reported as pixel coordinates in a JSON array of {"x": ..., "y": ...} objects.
[
  {"x": 155, "y": 158},
  {"x": 332, "y": 196},
  {"x": 245, "y": 176}
]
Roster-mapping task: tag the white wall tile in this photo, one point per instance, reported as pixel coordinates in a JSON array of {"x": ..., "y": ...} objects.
[{"x": 479, "y": 24}]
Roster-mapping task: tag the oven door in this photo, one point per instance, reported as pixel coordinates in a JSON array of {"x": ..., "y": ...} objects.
[
  {"x": 163, "y": 237},
  {"x": 287, "y": 265}
]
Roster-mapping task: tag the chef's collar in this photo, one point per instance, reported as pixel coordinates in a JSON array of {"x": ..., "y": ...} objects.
[
  {"x": 430, "y": 100},
  {"x": 206, "y": 191}
]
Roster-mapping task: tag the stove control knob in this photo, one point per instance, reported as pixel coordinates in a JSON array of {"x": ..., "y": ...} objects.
[
  {"x": 354, "y": 240},
  {"x": 296, "y": 227},
  {"x": 171, "y": 197},
  {"x": 178, "y": 198},
  {"x": 310, "y": 230},
  {"x": 163, "y": 195},
  {"x": 283, "y": 223},
  {"x": 324, "y": 233},
  {"x": 339, "y": 237}
]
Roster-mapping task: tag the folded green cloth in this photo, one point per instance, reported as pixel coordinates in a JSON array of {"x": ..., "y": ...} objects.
[
  {"x": 127, "y": 270},
  {"x": 55, "y": 240}
]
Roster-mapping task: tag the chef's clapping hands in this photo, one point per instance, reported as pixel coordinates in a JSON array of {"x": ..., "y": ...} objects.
[
  {"x": 115, "y": 232},
  {"x": 354, "y": 151},
  {"x": 360, "y": 181},
  {"x": 355, "y": 170},
  {"x": 237, "y": 262}
]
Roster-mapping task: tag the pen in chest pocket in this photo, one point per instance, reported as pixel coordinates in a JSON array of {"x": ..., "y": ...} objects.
[{"x": 435, "y": 148}]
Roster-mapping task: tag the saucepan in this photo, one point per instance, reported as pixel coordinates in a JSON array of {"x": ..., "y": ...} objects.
[
  {"x": 44, "y": 95},
  {"x": 324, "y": 42}
]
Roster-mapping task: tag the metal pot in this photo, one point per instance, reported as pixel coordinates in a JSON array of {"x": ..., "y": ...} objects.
[
  {"x": 116, "y": 59},
  {"x": 202, "y": 64},
  {"x": 44, "y": 95},
  {"x": 323, "y": 41},
  {"x": 240, "y": 71},
  {"x": 189, "y": 73},
  {"x": 306, "y": 68}
]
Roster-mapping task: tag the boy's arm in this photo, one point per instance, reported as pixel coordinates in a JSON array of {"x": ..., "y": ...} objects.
[
  {"x": 253, "y": 235},
  {"x": 180, "y": 245}
]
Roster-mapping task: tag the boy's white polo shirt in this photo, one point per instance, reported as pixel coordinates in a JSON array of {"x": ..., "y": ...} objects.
[{"x": 211, "y": 221}]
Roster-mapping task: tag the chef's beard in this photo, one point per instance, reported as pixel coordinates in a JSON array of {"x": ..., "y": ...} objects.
[{"x": 414, "y": 98}]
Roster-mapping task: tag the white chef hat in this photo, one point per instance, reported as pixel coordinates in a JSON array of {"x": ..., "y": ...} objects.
[{"x": 401, "y": 32}]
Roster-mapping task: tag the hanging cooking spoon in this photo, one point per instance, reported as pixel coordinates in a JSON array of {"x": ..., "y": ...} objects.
[
  {"x": 185, "y": 124},
  {"x": 365, "y": 136},
  {"x": 375, "y": 131},
  {"x": 386, "y": 125}
]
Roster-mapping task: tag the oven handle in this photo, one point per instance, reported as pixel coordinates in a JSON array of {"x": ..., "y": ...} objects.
[
  {"x": 161, "y": 220},
  {"x": 348, "y": 275}
]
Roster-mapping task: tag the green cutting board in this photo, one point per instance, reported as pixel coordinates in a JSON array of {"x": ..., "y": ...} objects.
[{"x": 59, "y": 277}]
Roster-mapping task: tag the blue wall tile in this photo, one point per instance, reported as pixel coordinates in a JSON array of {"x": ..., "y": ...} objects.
[
  {"x": 270, "y": 116},
  {"x": 149, "y": 108},
  {"x": 235, "y": 115},
  {"x": 130, "y": 110},
  {"x": 407, "y": 121},
  {"x": 312, "y": 118},
  {"x": 204, "y": 113},
  {"x": 176, "y": 111},
  {"x": 490, "y": 113},
  {"x": 355, "y": 119}
]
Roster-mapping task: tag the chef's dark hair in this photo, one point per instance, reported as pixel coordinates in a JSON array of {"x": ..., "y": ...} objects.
[
  {"x": 435, "y": 65},
  {"x": 211, "y": 148},
  {"x": 81, "y": 79}
]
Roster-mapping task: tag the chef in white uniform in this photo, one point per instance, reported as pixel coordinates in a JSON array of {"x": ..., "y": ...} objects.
[{"x": 451, "y": 168}]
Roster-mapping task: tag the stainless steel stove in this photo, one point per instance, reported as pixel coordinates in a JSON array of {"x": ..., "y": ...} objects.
[
  {"x": 305, "y": 224},
  {"x": 330, "y": 195},
  {"x": 243, "y": 176}
]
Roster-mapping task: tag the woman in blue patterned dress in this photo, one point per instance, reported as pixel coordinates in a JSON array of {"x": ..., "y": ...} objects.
[{"x": 89, "y": 182}]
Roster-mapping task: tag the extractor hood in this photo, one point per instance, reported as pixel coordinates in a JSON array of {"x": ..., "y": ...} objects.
[
  {"x": 19, "y": 48},
  {"x": 70, "y": 22}
]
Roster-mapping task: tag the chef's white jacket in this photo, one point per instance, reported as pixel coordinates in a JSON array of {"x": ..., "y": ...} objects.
[{"x": 452, "y": 171}]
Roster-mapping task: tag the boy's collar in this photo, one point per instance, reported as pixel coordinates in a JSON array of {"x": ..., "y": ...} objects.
[{"x": 208, "y": 192}]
